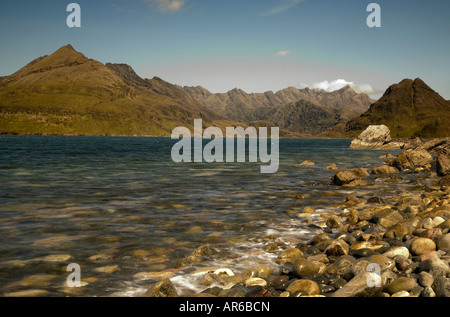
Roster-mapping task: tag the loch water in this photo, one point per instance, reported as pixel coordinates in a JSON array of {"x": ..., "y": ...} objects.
[{"x": 126, "y": 213}]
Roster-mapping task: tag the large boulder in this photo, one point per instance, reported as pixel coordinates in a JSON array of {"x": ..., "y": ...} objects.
[
  {"x": 411, "y": 159},
  {"x": 375, "y": 136}
]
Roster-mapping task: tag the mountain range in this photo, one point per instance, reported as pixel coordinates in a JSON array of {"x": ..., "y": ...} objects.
[
  {"x": 301, "y": 110},
  {"x": 67, "y": 93}
]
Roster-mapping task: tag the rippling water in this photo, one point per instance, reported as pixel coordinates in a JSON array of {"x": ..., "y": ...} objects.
[{"x": 120, "y": 206}]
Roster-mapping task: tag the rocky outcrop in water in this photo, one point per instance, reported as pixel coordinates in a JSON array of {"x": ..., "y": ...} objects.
[{"x": 375, "y": 136}]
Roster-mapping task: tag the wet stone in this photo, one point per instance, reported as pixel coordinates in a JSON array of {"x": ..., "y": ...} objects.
[
  {"x": 259, "y": 291},
  {"x": 401, "y": 284},
  {"x": 163, "y": 288},
  {"x": 303, "y": 267},
  {"x": 290, "y": 255},
  {"x": 308, "y": 286}
]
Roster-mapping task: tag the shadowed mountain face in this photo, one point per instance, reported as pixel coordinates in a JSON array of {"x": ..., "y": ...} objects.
[
  {"x": 409, "y": 109},
  {"x": 284, "y": 108},
  {"x": 67, "y": 93}
]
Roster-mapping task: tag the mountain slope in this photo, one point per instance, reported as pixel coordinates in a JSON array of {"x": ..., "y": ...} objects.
[
  {"x": 239, "y": 105},
  {"x": 409, "y": 109},
  {"x": 67, "y": 93},
  {"x": 305, "y": 117}
]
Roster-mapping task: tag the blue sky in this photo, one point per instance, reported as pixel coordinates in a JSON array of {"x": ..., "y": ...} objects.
[{"x": 255, "y": 45}]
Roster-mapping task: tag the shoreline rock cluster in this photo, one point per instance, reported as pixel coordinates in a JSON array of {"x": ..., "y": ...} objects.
[{"x": 401, "y": 249}]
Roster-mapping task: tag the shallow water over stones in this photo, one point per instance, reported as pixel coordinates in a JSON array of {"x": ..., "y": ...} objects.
[{"x": 122, "y": 210}]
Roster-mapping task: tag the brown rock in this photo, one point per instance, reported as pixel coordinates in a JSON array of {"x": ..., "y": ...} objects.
[
  {"x": 443, "y": 165},
  {"x": 359, "y": 287},
  {"x": 308, "y": 286},
  {"x": 385, "y": 169},
  {"x": 401, "y": 284},
  {"x": 163, "y": 288},
  {"x": 411, "y": 159},
  {"x": 337, "y": 248},
  {"x": 333, "y": 222},
  {"x": 290, "y": 255},
  {"x": 373, "y": 137},
  {"x": 303, "y": 267},
  {"x": 422, "y": 245},
  {"x": 332, "y": 167}
]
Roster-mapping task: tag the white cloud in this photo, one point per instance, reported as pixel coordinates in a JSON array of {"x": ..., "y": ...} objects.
[
  {"x": 341, "y": 83},
  {"x": 284, "y": 53},
  {"x": 286, "y": 4},
  {"x": 166, "y": 5}
]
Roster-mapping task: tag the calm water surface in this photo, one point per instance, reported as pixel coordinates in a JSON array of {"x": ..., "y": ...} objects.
[{"x": 121, "y": 206}]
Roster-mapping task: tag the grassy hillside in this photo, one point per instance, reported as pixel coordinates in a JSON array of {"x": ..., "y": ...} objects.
[
  {"x": 67, "y": 93},
  {"x": 409, "y": 109}
]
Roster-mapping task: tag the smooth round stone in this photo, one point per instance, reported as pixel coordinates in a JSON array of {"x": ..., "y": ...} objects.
[
  {"x": 151, "y": 275},
  {"x": 255, "y": 281},
  {"x": 308, "y": 210},
  {"x": 384, "y": 262},
  {"x": 422, "y": 245},
  {"x": 339, "y": 283},
  {"x": 443, "y": 243},
  {"x": 341, "y": 265},
  {"x": 321, "y": 238},
  {"x": 426, "y": 279},
  {"x": 107, "y": 269},
  {"x": 319, "y": 258},
  {"x": 442, "y": 286},
  {"x": 259, "y": 291},
  {"x": 366, "y": 245},
  {"x": 333, "y": 222},
  {"x": 290, "y": 255},
  {"x": 37, "y": 281},
  {"x": 337, "y": 248},
  {"x": 427, "y": 223},
  {"x": 308, "y": 286},
  {"x": 27, "y": 293},
  {"x": 432, "y": 255},
  {"x": 401, "y": 294},
  {"x": 431, "y": 233},
  {"x": 401, "y": 284},
  {"x": 428, "y": 292},
  {"x": 303, "y": 267},
  {"x": 285, "y": 294},
  {"x": 362, "y": 253},
  {"x": 397, "y": 251},
  {"x": 55, "y": 258}
]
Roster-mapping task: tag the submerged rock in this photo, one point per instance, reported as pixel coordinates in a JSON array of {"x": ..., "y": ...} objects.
[
  {"x": 350, "y": 178},
  {"x": 163, "y": 288},
  {"x": 385, "y": 169}
]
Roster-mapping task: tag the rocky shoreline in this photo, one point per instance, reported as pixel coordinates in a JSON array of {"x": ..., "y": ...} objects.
[{"x": 365, "y": 249}]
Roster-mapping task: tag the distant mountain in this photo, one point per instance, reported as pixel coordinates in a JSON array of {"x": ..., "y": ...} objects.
[
  {"x": 306, "y": 116},
  {"x": 67, "y": 93},
  {"x": 409, "y": 109},
  {"x": 284, "y": 108}
]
